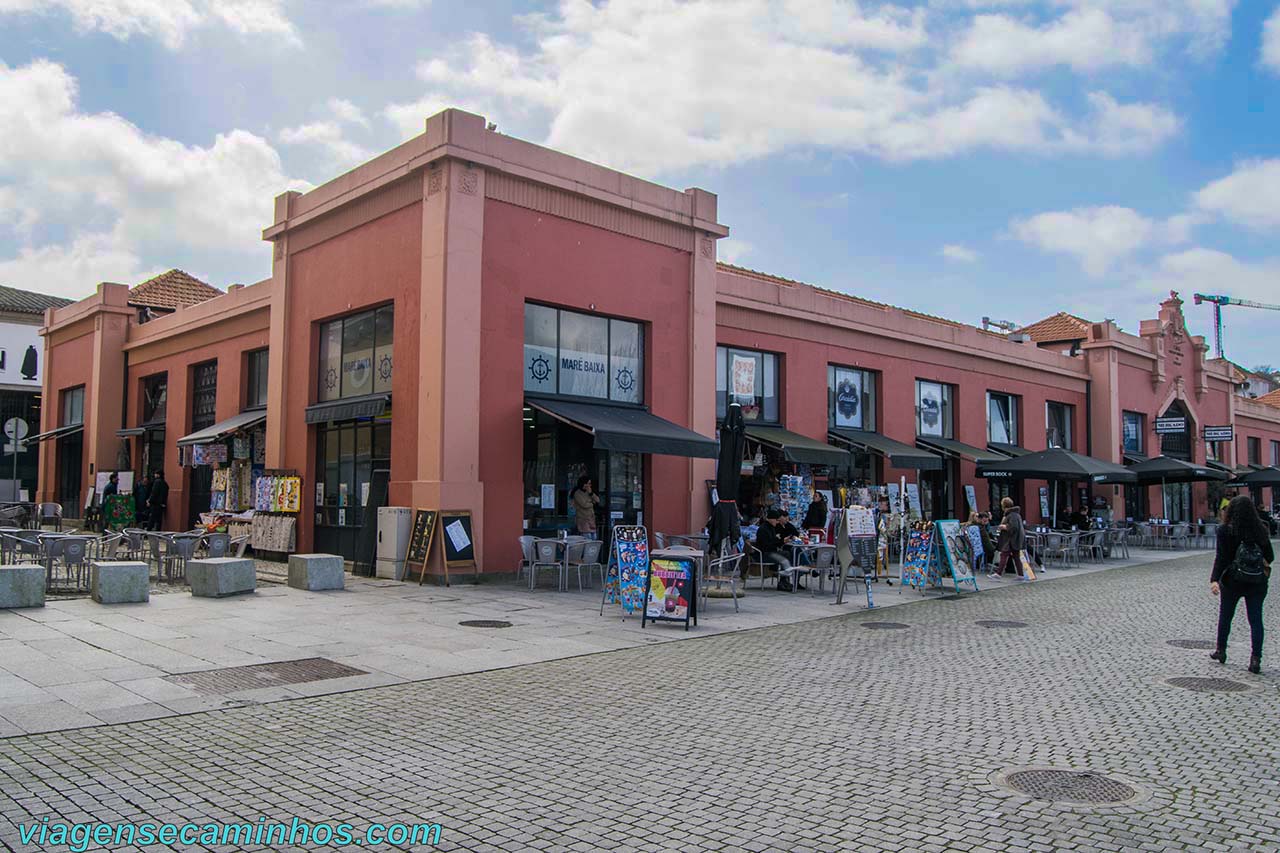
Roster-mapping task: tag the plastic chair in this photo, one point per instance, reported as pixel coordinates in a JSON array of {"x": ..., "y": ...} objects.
[
  {"x": 75, "y": 560},
  {"x": 109, "y": 546},
  {"x": 546, "y": 555},
  {"x": 1093, "y": 544},
  {"x": 585, "y": 555},
  {"x": 50, "y": 513},
  {"x": 1209, "y": 535},
  {"x": 238, "y": 544},
  {"x": 526, "y": 556},
  {"x": 217, "y": 544},
  {"x": 135, "y": 541},
  {"x": 1180, "y": 536},
  {"x": 181, "y": 548},
  {"x": 1055, "y": 545},
  {"x": 727, "y": 568}
]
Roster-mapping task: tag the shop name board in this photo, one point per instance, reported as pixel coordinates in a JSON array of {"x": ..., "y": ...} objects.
[
  {"x": 1168, "y": 426},
  {"x": 582, "y": 364},
  {"x": 1220, "y": 433}
]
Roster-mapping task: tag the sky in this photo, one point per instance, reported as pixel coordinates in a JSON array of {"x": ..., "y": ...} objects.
[{"x": 968, "y": 158}]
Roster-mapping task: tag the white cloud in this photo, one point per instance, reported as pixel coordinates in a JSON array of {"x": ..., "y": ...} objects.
[
  {"x": 75, "y": 269},
  {"x": 848, "y": 78},
  {"x": 733, "y": 251},
  {"x": 1096, "y": 236},
  {"x": 96, "y": 174},
  {"x": 398, "y": 4},
  {"x": 330, "y": 138},
  {"x": 169, "y": 21},
  {"x": 1271, "y": 42},
  {"x": 962, "y": 254},
  {"x": 1212, "y": 271},
  {"x": 1249, "y": 196},
  {"x": 344, "y": 110}
]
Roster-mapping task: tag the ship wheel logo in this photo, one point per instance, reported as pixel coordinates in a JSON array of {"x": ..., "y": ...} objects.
[
  {"x": 331, "y": 378},
  {"x": 384, "y": 368},
  {"x": 626, "y": 380},
  {"x": 540, "y": 369}
]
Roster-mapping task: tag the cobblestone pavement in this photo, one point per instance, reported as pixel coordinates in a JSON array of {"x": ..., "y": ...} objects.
[{"x": 815, "y": 736}]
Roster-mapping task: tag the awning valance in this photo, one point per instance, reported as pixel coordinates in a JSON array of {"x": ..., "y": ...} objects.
[
  {"x": 368, "y": 406},
  {"x": 899, "y": 455},
  {"x": 1011, "y": 450},
  {"x": 129, "y": 432},
  {"x": 60, "y": 432},
  {"x": 630, "y": 430},
  {"x": 798, "y": 448},
  {"x": 958, "y": 449},
  {"x": 244, "y": 420}
]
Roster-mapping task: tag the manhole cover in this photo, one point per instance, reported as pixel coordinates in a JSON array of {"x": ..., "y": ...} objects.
[
  {"x": 1193, "y": 644},
  {"x": 999, "y": 623},
  {"x": 484, "y": 623},
  {"x": 1070, "y": 786},
  {"x": 884, "y": 626},
  {"x": 1199, "y": 684},
  {"x": 259, "y": 675}
]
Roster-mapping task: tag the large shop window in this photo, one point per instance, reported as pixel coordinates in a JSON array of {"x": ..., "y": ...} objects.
[
  {"x": 346, "y": 456},
  {"x": 933, "y": 409},
  {"x": 851, "y": 398},
  {"x": 155, "y": 398},
  {"x": 749, "y": 379},
  {"x": 204, "y": 395},
  {"x": 356, "y": 354},
  {"x": 582, "y": 355},
  {"x": 1002, "y": 418},
  {"x": 72, "y": 407},
  {"x": 1133, "y": 426},
  {"x": 1254, "y": 445},
  {"x": 1058, "y": 417},
  {"x": 256, "y": 388},
  {"x": 1275, "y": 454}
]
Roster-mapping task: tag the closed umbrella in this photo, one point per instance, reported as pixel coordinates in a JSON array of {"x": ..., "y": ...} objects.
[{"x": 725, "y": 522}]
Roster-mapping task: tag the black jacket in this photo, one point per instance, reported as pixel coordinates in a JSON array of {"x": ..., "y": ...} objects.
[
  {"x": 159, "y": 493},
  {"x": 816, "y": 517},
  {"x": 771, "y": 539},
  {"x": 1228, "y": 542}
]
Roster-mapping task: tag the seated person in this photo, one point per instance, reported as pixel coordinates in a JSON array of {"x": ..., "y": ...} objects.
[{"x": 772, "y": 538}]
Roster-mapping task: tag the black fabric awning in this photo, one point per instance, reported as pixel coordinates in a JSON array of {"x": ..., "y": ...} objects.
[
  {"x": 1220, "y": 466},
  {"x": 60, "y": 432},
  {"x": 630, "y": 430},
  {"x": 1011, "y": 450},
  {"x": 1267, "y": 476},
  {"x": 958, "y": 449},
  {"x": 798, "y": 448},
  {"x": 1166, "y": 469},
  {"x": 244, "y": 420},
  {"x": 1056, "y": 464},
  {"x": 899, "y": 455},
  {"x": 1135, "y": 458},
  {"x": 368, "y": 406},
  {"x": 129, "y": 432}
]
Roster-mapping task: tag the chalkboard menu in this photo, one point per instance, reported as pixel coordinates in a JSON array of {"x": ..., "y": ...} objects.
[
  {"x": 459, "y": 544},
  {"x": 424, "y": 528},
  {"x": 628, "y": 566},
  {"x": 671, "y": 591}
]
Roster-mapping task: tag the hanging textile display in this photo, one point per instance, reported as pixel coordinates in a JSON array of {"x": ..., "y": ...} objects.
[
  {"x": 240, "y": 447},
  {"x": 290, "y": 494},
  {"x": 263, "y": 494},
  {"x": 273, "y": 533}
]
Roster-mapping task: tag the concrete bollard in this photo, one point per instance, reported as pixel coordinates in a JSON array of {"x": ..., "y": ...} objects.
[
  {"x": 22, "y": 586},
  {"x": 216, "y": 577},
  {"x": 116, "y": 582},
  {"x": 315, "y": 571}
]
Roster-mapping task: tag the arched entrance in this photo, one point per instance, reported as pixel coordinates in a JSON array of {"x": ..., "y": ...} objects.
[{"x": 1177, "y": 505}]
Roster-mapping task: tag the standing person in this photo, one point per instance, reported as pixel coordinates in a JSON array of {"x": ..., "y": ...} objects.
[
  {"x": 142, "y": 491},
  {"x": 816, "y": 517},
  {"x": 1241, "y": 569},
  {"x": 158, "y": 500},
  {"x": 111, "y": 488},
  {"x": 585, "y": 501},
  {"x": 1011, "y": 538},
  {"x": 988, "y": 544}
]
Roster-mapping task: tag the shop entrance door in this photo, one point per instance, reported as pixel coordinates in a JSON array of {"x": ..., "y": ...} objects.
[
  {"x": 201, "y": 485},
  {"x": 70, "y": 465},
  {"x": 935, "y": 493}
]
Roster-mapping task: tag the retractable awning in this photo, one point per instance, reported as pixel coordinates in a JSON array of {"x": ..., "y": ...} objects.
[
  {"x": 244, "y": 420},
  {"x": 899, "y": 455},
  {"x": 60, "y": 432},
  {"x": 958, "y": 449},
  {"x": 368, "y": 406},
  {"x": 1011, "y": 450},
  {"x": 129, "y": 432},
  {"x": 629, "y": 430},
  {"x": 798, "y": 448},
  {"x": 1135, "y": 458}
]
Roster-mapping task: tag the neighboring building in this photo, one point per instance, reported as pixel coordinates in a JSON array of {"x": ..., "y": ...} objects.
[
  {"x": 21, "y": 372},
  {"x": 488, "y": 320}
]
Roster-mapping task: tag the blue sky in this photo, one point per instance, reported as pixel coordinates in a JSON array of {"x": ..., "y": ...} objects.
[{"x": 1007, "y": 158}]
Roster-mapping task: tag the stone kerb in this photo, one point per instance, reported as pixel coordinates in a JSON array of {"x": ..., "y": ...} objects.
[
  {"x": 118, "y": 582},
  {"x": 216, "y": 577},
  {"x": 315, "y": 571},
  {"x": 22, "y": 586}
]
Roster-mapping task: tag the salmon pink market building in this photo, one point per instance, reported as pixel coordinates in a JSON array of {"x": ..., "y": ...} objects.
[{"x": 473, "y": 322}]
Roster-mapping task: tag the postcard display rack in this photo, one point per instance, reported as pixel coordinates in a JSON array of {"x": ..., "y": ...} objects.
[
  {"x": 277, "y": 498},
  {"x": 793, "y": 494}
]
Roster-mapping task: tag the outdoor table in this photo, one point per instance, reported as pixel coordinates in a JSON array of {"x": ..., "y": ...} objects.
[{"x": 797, "y": 549}]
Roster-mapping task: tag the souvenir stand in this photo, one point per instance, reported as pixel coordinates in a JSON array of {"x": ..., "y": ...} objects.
[
  {"x": 237, "y": 462},
  {"x": 277, "y": 501}
]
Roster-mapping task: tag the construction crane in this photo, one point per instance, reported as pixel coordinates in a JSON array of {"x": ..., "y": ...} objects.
[{"x": 1218, "y": 302}]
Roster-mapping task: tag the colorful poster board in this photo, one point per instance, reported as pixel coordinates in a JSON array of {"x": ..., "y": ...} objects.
[
  {"x": 1044, "y": 501},
  {"x": 860, "y": 522},
  {"x": 670, "y": 590},
  {"x": 916, "y": 562},
  {"x": 628, "y": 566},
  {"x": 953, "y": 549}
]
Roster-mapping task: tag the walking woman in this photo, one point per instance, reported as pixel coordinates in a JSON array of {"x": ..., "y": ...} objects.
[
  {"x": 1241, "y": 569},
  {"x": 1011, "y": 539},
  {"x": 585, "y": 501}
]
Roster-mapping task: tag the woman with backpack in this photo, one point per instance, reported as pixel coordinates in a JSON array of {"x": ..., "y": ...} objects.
[{"x": 1241, "y": 569}]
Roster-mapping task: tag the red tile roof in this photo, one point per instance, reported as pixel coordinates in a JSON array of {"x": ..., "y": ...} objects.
[
  {"x": 173, "y": 289},
  {"x": 1058, "y": 327},
  {"x": 1272, "y": 399},
  {"x": 28, "y": 301}
]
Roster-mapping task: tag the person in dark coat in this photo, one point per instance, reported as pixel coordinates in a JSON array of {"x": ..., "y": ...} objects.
[
  {"x": 772, "y": 539},
  {"x": 158, "y": 500},
  {"x": 142, "y": 491},
  {"x": 816, "y": 517},
  {"x": 112, "y": 487},
  {"x": 988, "y": 544},
  {"x": 1011, "y": 539},
  {"x": 1243, "y": 527}
]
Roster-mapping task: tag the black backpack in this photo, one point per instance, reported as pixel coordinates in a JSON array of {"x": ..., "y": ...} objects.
[{"x": 1249, "y": 568}]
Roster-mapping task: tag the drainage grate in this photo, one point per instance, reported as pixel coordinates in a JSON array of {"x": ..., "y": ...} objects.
[
  {"x": 260, "y": 675},
  {"x": 484, "y": 623},
  {"x": 1070, "y": 786},
  {"x": 1207, "y": 685},
  {"x": 999, "y": 623},
  {"x": 1193, "y": 644},
  {"x": 884, "y": 626}
]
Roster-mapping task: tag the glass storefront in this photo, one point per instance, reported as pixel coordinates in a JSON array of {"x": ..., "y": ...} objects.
[{"x": 347, "y": 454}]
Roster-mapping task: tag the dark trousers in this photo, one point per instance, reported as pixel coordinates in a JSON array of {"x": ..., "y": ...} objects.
[
  {"x": 156, "y": 521},
  {"x": 1253, "y": 597},
  {"x": 1006, "y": 557}
]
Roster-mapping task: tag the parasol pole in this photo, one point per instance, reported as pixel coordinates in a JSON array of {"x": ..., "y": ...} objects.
[
  {"x": 1164, "y": 499},
  {"x": 1053, "y": 484}
]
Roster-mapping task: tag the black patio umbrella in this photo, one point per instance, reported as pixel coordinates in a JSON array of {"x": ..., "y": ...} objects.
[
  {"x": 1166, "y": 469},
  {"x": 1056, "y": 464},
  {"x": 725, "y": 522},
  {"x": 1269, "y": 476}
]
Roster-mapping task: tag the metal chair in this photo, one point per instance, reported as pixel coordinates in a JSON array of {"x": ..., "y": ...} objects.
[
  {"x": 1118, "y": 539},
  {"x": 50, "y": 513},
  {"x": 181, "y": 548},
  {"x": 526, "y": 557},
  {"x": 727, "y": 568},
  {"x": 1094, "y": 544},
  {"x": 217, "y": 544},
  {"x": 1055, "y": 545},
  {"x": 75, "y": 560},
  {"x": 238, "y": 544},
  {"x": 824, "y": 565},
  {"x": 108, "y": 547},
  {"x": 660, "y": 541},
  {"x": 585, "y": 555},
  {"x": 546, "y": 555},
  {"x": 754, "y": 557},
  {"x": 158, "y": 545},
  {"x": 1209, "y": 535},
  {"x": 1180, "y": 536},
  {"x": 135, "y": 542}
]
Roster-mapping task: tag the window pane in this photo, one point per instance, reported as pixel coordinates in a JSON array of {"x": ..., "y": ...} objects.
[
  {"x": 383, "y": 332},
  {"x": 998, "y": 419},
  {"x": 929, "y": 408},
  {"x": 357, "y": 355},
  {"x": 869, "y": 401},
  {"x": 584, "y": 355},
  {"x": 745, "y": 381},
  {"x": 330, "y": 360},
  {"x": 722, "y": 406},
  {"x": 848, "y": 397},
  {"x": 381, "y": 442},
  {"x": 770, "y": 387},
  {"x": 539, "y": 349},
  {"x": 626, "y": 367}
]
